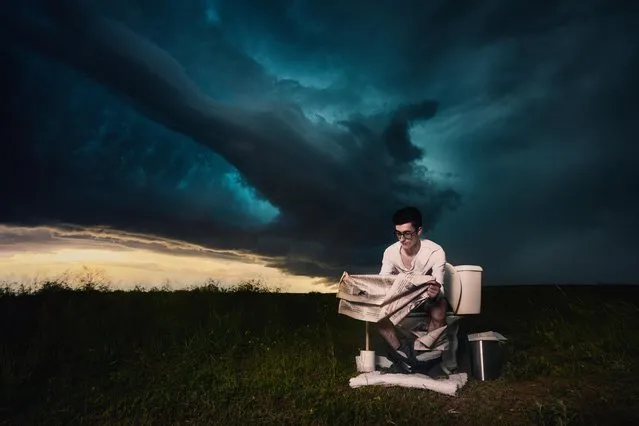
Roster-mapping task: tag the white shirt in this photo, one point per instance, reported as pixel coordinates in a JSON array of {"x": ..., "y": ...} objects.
[{"x": 429, "y": 260}]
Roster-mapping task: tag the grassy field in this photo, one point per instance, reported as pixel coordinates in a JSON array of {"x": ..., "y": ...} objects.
[{"x": 203, "y": 356}]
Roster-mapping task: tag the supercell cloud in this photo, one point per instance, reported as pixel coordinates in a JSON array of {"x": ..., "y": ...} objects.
[{"x": 293, "y": 130}]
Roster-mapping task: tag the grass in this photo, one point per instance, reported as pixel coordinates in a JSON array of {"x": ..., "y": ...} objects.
[{"x": 250, "y": 356}]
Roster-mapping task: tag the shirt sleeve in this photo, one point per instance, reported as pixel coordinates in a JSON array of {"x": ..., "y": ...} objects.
[
  {"x": 387, "y": 266},
  {"x": 439, "y": 262}
]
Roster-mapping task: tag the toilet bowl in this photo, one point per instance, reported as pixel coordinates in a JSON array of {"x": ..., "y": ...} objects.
[{"x": 462, "y": 288}]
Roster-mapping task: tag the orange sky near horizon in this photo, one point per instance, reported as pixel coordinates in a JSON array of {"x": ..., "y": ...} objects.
[{"x": 29, "y": 255}]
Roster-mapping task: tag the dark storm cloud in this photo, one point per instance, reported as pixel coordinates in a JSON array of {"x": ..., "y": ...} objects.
[
  {"x": 318, "y": 175},
  {"x": 530, "y": 106},
  {"x": 551, "y": 151}
]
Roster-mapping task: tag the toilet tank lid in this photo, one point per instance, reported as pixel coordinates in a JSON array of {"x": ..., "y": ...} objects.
[{"x": 468, "y": 268}]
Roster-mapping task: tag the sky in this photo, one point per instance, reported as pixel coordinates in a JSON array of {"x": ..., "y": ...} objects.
[{"x": 180, "y": 141}]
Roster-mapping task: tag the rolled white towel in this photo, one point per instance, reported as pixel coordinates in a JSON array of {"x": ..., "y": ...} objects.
[{"x": 448, "y": 386}]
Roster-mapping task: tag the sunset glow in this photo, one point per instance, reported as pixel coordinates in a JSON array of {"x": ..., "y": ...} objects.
[{"x": 43, "y": 254}]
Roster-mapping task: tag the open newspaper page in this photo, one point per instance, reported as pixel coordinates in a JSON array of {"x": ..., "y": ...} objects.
[
  {"x": 364, "y": 289},
  {"x": 433, "y": 340},
  {"x": 375, "y": 297}
]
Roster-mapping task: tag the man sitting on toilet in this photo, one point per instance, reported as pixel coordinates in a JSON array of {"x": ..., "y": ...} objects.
[{"x": 413, "y": 255}]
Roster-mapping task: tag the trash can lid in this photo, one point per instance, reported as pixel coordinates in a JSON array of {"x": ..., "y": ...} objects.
[{"x": 469, "y": 268}]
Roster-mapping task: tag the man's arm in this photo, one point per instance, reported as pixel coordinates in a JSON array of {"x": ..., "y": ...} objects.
[
  {"x": 439, "y": 261},
  {"x": 387, "y": 266}
]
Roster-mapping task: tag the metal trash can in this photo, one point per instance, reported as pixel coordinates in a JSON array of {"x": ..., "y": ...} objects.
[{"x": 486, "y": 359}]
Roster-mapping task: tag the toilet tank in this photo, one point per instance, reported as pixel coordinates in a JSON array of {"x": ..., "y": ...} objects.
[{"x": 462, "y": 286}]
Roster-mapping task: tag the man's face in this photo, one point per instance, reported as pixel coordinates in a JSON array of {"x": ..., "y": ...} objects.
[{"x": 408, "y": 235}]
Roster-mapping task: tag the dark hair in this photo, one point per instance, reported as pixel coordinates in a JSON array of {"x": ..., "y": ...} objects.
[{"x": 406, "y": 215}]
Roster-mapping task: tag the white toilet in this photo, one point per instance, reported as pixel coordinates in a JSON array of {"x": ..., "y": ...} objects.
[{"x": 462, "y": 288}]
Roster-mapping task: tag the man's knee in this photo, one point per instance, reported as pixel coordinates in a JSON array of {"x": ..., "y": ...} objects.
[
  {"x": 437, "y": 311},
  {"x": 383, "y": 324}
]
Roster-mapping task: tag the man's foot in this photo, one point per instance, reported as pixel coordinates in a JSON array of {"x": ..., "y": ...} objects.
[
  {"x": 437, "y": 372},
  {"x": 406, "y": 351},
  {"x": 403, "y": 358},
  {"x": 399, "y": 363},
  {"x": 398, "y": 368}
]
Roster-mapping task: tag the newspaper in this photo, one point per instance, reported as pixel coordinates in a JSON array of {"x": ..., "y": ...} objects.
[
  {"x": 375, "y": 297},
  {"x": 433, "y": 340},
  {"x": 438, "y": 339}
]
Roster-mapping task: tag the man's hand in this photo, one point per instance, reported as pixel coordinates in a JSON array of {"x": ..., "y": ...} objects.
[{"x": 433, "y": 290}]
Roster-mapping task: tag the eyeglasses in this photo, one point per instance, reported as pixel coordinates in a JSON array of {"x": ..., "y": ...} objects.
[{"x": 408, "y": 235}]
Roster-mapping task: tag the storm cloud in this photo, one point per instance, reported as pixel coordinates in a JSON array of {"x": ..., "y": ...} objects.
[{"x": 293, "y": 130}]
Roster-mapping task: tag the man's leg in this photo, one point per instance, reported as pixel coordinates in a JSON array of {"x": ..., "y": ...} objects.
[
  {"x": 401, "y": 353},
  {"x": 437, "y": 314},
  {"x": 387, "y": 330},
  {"x": 437, "y": 320}
]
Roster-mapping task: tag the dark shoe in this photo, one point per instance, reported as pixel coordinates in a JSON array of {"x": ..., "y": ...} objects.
[
  {"x": 400, "y": 362},
  {"x": 406, "y": 352},
  {"x": 403, "y": 358},
  {"x": 437, "y": 372},
  {"x": 397, "y": 368},
  {"x": 426, "y": 367}
]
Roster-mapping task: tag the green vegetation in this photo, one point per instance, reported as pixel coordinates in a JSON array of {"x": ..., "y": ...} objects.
[{"x": 248, "y": 355}]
